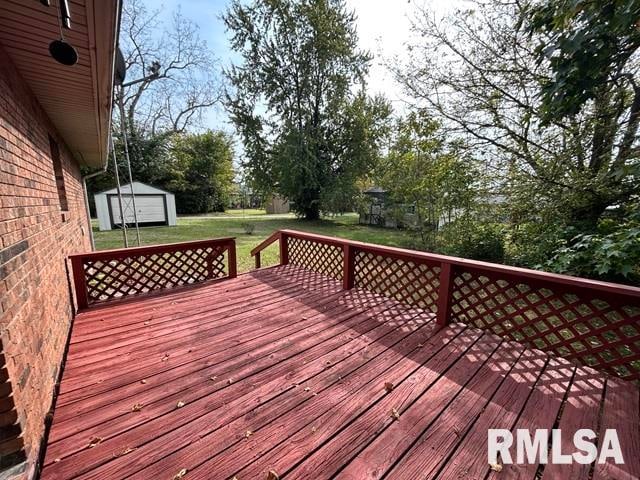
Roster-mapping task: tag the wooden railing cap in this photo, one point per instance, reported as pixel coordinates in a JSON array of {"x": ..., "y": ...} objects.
[
  {"x": 476, "y": 265},
  {"x": 152, "y": 248}
]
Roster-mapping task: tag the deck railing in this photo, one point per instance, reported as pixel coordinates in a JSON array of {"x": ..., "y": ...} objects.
[
  {"x": 116, "y": 274},
  {"x": 591, "y": 322}
]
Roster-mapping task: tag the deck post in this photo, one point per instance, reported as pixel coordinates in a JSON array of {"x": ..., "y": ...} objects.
[
  {"x": 284, "y": 249},
  {"x": 257, "y": 257},
  {"x": 79, "y": 280},
  {"x": 348, "y": 266},
  {"x": 444, "y": 294},
  {"x": 231, "y": 259}
]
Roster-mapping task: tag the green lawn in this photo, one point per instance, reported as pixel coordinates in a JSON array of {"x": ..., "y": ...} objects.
[{"x": 194, "y": 228}]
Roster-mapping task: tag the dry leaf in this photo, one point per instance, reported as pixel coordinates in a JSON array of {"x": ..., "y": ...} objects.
[
  {"x": 56, "y": 460},
  {"x": 165, "y": 357},
  {"x": 94, "y": 441},
  {"x": 180, "y": 404},
  {"x": 127, "y": 450},
  {"x": 272, "y": 475},
  {"x": 314, "y": 429},
  {"x": 146, "y": 323},
  {"x": 306, "y": 389},
  {"x": 395, "y": 414},
  {"x": 213, "y": 379},
  {"x": 388, "y": 386},
  {"x": 180, "y": 474},
  {"x": 496, "y": 467},
  {"x": 248, "y": 433},
  {"x": 137, "y": 407},
  {"x": 230, "y": 381},
  {"x": 143, "y": 381}
]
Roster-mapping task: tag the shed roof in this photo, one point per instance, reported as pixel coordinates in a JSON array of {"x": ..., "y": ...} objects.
[{"x": 138, "y": 188}]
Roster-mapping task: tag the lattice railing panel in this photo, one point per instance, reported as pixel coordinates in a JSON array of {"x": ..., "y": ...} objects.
[
  {"x": 115, "y": 278},
  {"x": 112, "y": 274},
  {"x": 318, "y": 257},
  {"x": 604, "y": 334},
  {"x": 411, "y": 282}
]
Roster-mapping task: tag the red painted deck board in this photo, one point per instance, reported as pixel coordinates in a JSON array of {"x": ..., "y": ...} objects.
[{"x": 282, "y": 370}]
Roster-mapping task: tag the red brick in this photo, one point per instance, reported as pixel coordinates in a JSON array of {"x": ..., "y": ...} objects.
[{"x": 35, "y": 313}]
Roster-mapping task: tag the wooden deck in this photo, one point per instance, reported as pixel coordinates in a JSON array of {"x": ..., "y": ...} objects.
[{"x": 283, "y": 370}]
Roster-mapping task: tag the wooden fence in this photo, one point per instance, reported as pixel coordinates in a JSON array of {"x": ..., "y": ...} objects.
[
  {"x": 591, "y": 322},
  {"x": 116, "y": 274}
]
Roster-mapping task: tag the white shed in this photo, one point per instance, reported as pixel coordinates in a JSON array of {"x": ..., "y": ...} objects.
[{"x": 154, "y": 206}]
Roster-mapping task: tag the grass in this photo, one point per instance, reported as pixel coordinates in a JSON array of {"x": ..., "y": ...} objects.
[
  {"x": 194, "y": 228},
  {"x": 237, "y": 212}
]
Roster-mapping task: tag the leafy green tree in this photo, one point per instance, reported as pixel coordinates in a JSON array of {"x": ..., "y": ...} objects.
[
  {"x": 613, "y": 253},
  {"x": 422, "y": 170},
  {"x": 590, "y": 48},
  {"x": 298, "y": 100},
  {"x": 496, "y": 71},
  {"x": 202, "y": 172}
]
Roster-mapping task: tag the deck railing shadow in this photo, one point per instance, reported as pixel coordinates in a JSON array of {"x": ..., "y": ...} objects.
[{"x": 592, "y": 323}]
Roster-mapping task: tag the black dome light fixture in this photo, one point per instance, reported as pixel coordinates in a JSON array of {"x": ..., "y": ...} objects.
[{"x": 62, "y": 51}]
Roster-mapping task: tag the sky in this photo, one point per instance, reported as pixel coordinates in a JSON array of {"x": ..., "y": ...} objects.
[{"x": 383, "y": 29}]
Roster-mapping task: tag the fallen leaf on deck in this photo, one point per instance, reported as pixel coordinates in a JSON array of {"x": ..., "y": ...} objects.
[
  {"x": 127, "y": 450},
  {"x": 137, "y": 407},
  {"x": 248, "y": 433},
  {"x": 180, "y": 474},
  {"x": 230, "y": 381},
  {"x": 94, "y": 441},
  {"x": 143, "y": 381},
  {"x": 388, "y": 386},
  {"x": 272, "y": 475},
  {"x": 56, "y": 460},
  {"x": 165, "y": 357},
  {"x": 180, "y": 404},
  {"x": 420, "y": 345},
  {"x": 496, "y": 467},
  {"x": 146, "y": 323},
  {"x": 213, "y": 379},
  {"x": 395, "y": 414},
  {"x": 306, "y": 389}
]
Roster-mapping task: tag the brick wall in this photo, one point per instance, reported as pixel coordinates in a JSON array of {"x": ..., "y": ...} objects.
[{"x": 35, "y": 237}]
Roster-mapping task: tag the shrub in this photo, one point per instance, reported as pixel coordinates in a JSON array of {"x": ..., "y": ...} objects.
[
  {"x": 470, "y": 239},
  {"x": 249, "y": 227}
]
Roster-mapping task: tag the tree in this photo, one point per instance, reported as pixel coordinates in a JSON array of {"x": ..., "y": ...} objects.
[
  {"x": 202, "y": 175},
  {"x": 180, "y": 72},
  {"x": 180, "y": 81},
  {"x": 298, "y": 100},
  {"x": 590, "y": 48},
  {"x": 423, "y": 170},
  {"x": 481, "y": 74}
]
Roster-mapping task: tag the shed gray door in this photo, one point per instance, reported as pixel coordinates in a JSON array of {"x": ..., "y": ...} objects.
[{"x": 150, "y": 209}]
